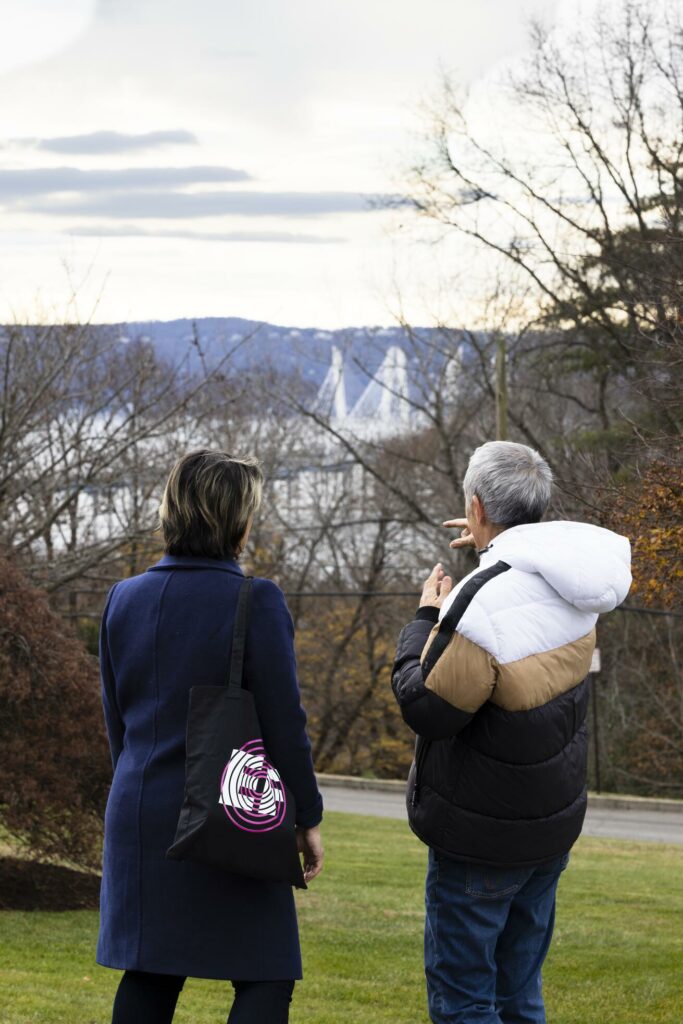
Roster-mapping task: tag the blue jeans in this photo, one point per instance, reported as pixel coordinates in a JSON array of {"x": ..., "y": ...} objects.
[{"x": 487, "y": 933}]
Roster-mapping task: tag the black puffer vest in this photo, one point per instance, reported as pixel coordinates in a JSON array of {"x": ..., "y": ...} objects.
[{"x": 494, "y": 786}]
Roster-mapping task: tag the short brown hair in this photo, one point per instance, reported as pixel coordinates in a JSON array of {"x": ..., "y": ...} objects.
[{"x": 208, "y": 500}]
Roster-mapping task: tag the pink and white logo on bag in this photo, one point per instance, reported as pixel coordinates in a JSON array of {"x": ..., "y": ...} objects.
[{"x": 252, "y": 792}]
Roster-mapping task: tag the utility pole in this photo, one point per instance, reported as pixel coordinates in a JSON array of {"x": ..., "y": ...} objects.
[{"x": 501, "y": 390}]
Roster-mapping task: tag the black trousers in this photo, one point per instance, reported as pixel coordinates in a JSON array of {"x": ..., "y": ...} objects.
[{"x": 151, "y": 999}]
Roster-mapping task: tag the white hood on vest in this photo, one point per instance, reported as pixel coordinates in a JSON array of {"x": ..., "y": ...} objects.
[{"x": 588, "y": 566}]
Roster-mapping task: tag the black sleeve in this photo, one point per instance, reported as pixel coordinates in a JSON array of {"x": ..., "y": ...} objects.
[{"x": 424, "y": 711}]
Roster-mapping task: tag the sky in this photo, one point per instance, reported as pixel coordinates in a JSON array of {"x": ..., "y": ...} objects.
[{"x": 160, "y": 159}]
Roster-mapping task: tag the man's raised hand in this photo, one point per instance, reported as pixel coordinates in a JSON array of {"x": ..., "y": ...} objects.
[
  {"x": 465, "y": 540},
  {"x": 436, "y": 587}
]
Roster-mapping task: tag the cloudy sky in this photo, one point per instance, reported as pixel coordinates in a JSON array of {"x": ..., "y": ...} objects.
[{"x": 161, "y": 159}]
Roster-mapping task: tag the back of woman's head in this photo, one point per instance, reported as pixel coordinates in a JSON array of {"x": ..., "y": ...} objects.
[{"x": 208, "y": 501}]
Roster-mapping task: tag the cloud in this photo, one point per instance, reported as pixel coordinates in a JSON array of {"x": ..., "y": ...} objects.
[
  {"x": 180, "y": 205},
  {"x": 132, "y": 231},
  {"x": 34, "y": 181},
  {"x": 94, "y": 143}
]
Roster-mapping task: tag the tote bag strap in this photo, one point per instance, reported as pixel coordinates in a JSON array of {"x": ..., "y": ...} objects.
[{"x": 239, "y": 633}]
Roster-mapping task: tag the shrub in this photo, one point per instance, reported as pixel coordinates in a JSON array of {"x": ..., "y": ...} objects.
[{"x": 55, "y": 767}]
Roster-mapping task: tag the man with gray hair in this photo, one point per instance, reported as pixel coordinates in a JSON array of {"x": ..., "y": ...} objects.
[{"x": 491, "y": 676}]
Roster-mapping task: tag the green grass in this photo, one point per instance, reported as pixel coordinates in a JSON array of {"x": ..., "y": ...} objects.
[{"x": 616, "y": 957}]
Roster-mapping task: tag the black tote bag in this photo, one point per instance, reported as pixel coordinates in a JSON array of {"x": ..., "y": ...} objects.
[{"x": 237, "y": 812}]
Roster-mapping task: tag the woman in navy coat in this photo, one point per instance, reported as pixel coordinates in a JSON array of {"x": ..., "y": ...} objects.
[{"x": 162, "y": 632}]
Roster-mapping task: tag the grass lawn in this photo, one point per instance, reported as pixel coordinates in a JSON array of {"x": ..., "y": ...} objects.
[{"x": 617, "y": 957}]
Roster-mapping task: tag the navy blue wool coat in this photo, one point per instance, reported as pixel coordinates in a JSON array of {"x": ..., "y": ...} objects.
[{"x": 162, "y": 632}]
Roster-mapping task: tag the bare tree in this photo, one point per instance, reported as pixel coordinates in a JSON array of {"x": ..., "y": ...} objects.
[
  {"x": 88, "y": 428},
  {"x": 591, "y": 217}
]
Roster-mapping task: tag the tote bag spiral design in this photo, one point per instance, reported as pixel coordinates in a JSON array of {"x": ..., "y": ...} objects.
[
  {"x": 237, "y": 812},
  {"x": 252, "y": 792}
]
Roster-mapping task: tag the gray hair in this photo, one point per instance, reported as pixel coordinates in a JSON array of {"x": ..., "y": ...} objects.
[{"x": 512, "y": 481}]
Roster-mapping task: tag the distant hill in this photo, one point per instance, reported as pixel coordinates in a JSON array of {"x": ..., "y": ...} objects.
[
  {"x": 340, "y": 365},
  {"x": 306, "y": 349}
]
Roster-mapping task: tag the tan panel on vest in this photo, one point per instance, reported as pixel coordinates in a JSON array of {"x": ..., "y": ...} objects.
[
  {"x": 533, "y": 681},
  {"x": 464, "y": 675}
]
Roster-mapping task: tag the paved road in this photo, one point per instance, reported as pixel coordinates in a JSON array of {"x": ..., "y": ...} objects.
[{"x": 653, "y": 826}]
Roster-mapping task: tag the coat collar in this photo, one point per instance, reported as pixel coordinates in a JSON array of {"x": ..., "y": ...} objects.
[
  {"x": 197, "y": 562},
  {"x": 496, "y": 547}
]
